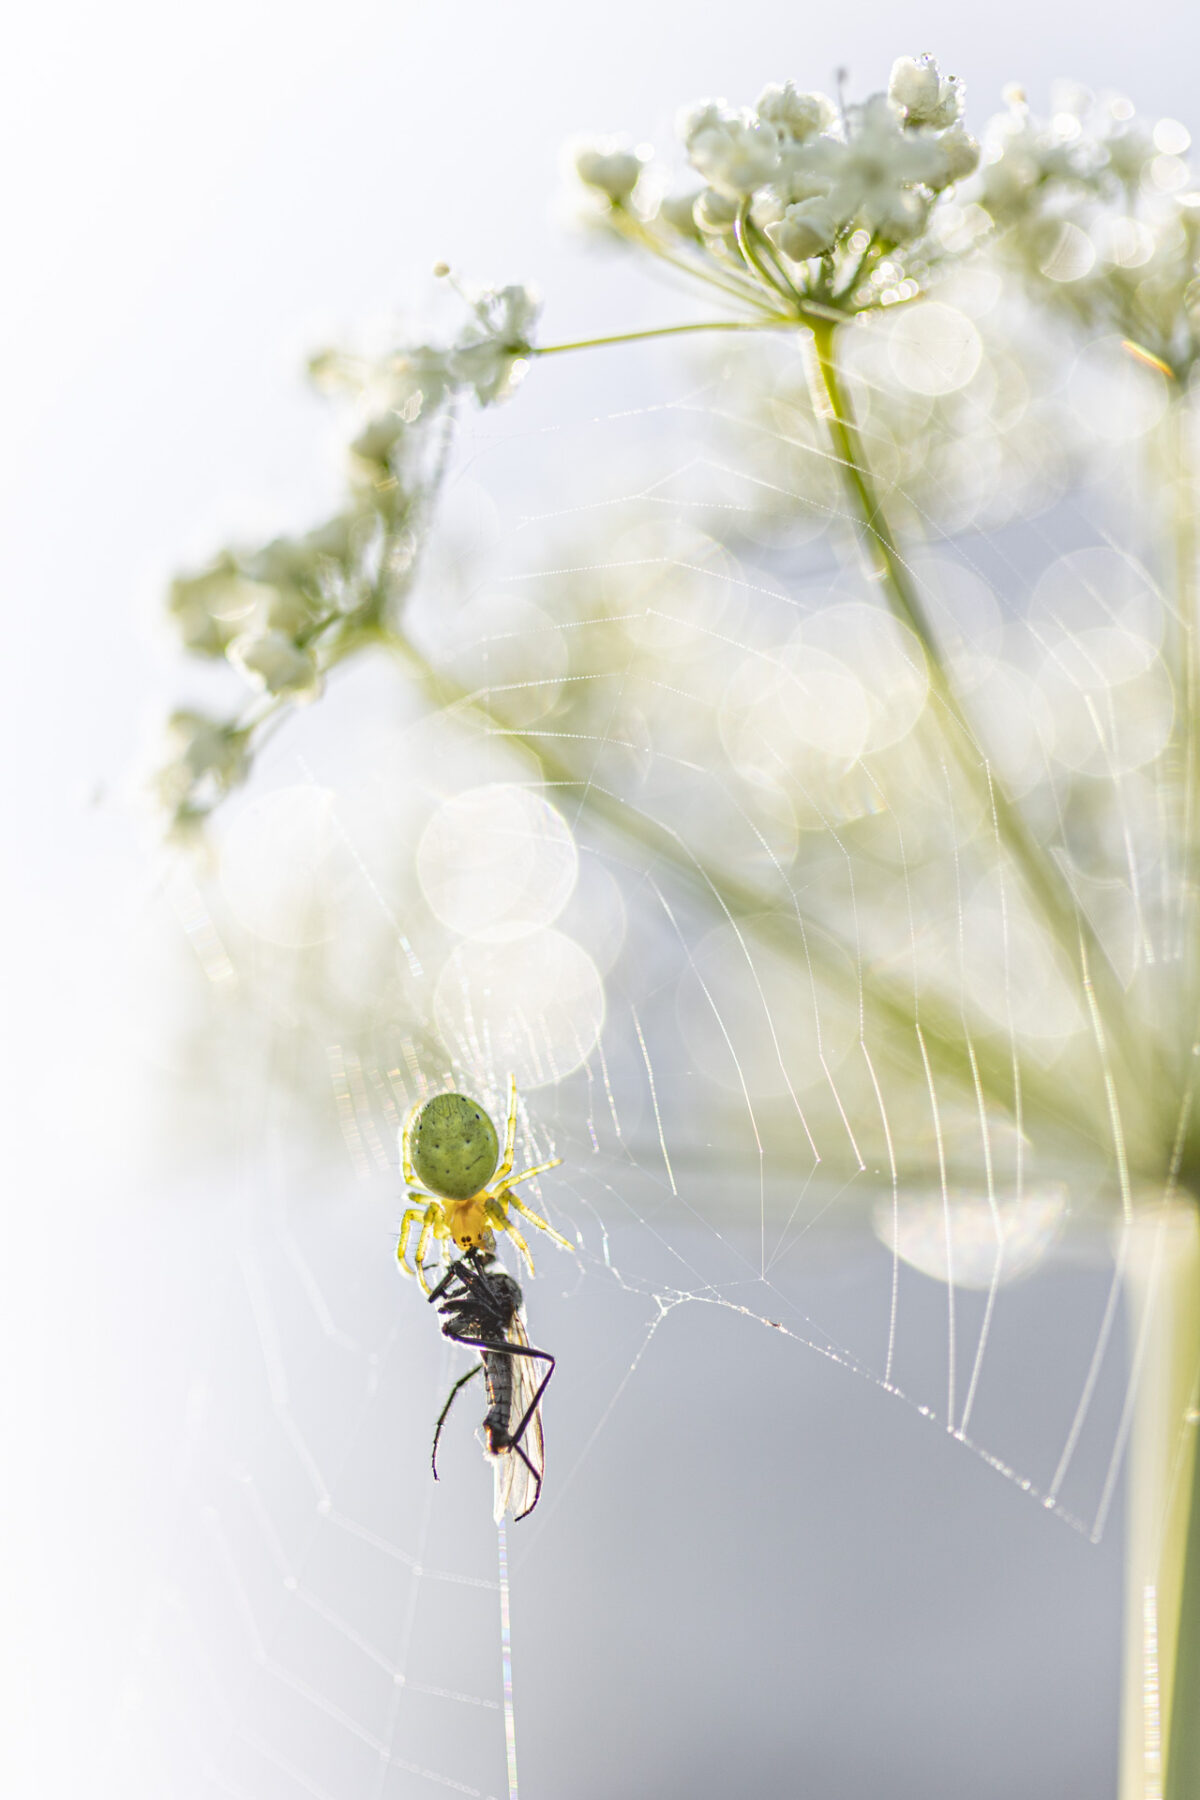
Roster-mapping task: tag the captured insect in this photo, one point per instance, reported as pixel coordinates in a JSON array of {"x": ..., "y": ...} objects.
[
  {"x": 480, "y": 1305},
  {"x": 450, "y": 1149}
]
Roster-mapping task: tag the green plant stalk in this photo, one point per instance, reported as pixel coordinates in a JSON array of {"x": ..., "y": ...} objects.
[
  {"x": 1160, "y": 1723},
  {"x": 768, "y": 322},
  {"x": 1183, "y": 649},
  {"x": 1183, "y": 1755},
  {"x": 1042, "y": 879}
]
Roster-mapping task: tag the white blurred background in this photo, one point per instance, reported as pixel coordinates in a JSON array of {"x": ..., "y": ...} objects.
[{"x": 769, "y": 1574}]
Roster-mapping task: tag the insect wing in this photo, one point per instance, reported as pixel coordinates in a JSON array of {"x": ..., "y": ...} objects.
[{"x": 517, "y": 1484}]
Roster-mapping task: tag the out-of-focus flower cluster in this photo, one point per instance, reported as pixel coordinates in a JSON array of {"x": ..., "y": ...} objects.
[
  {"x": 284, "y": 614},
  {"x": 807, "y": 206},
  {"x": 1101, "y": 212}
]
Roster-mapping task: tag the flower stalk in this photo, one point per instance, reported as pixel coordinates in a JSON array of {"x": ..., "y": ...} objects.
[{"x": 1160, "y": 1739}]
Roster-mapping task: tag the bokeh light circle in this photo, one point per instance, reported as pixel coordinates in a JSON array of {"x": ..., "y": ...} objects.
[
  {"x": 1109, "y": 696},
  {"x": 497, "y": 862},
  {"x": 966, "y": 1238},
  {"x": 534, "y": 1006},
  {"x": 934, "y": 348}
]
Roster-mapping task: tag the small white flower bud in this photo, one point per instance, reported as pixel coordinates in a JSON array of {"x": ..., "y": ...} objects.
[
  {"x": 490, "y": 356},
  {"x": 914, "y": 84},
  {"x": 679, "y": 212},
  {"x": 714, "y": 213},
  {"x": 270, "y": 661},
  {"x": 960, "y": 156},
  {"x": 794, "y": 116},
  {"x": 735, "y": 154},
  {"x": 375, "y": 443},
  {"x": 610, "y": 167},
  {"x": 699, "y": 116},
  {"x": 209, "y": 608},
  {"x": 924, "y": 95},
  {"x": 207, "y": 759},
  {"x": 806, "y": 229}
]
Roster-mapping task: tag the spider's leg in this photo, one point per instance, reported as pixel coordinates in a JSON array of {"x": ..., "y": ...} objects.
[
  {"x": 437, "y": 1430},
  {"x": 527, "y": 1212},
  {"x": 406, "y": 1167},
  {"x": 500, "y": 1219},
  {"x": 527, "y": 1174},
  {"x": 406, "y": 1224},
  {"x": 432, "y": 1222},
  {"x": 510, "y": 1133}
]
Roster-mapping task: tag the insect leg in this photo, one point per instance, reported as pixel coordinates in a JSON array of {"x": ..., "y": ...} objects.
[
  {"x": 453, "y": 1273},
  {"x": 537, "y": 1492},
  {"x": 543, "y": 1356},
  {"x": 437, "y": 1430},
  {"x": 502, "y": 1347}
]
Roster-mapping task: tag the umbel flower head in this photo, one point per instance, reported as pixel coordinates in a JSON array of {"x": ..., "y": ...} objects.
[
  {"x": 285, "y": 614},
  {"x": 806, "y": 203},
  {"x": 1100, "y": 212}
]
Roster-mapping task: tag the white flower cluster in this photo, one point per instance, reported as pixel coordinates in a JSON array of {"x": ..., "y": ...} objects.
[
  {"x": 205, "y": 760},
  {"x": 1101, "y": 212},
  {"x": 284, "y": 614},
  {"x": 492, "y": 354},
  {"x": 797, "y": 181}
]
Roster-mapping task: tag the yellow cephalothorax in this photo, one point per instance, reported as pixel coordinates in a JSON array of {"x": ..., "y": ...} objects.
[{"x": 450, "y": 1148}]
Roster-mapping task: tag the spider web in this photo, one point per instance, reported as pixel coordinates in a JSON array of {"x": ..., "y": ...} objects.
[{"x": 789, "y": 1231}]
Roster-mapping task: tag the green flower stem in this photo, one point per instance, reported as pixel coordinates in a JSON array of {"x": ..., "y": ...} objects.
[
  {"x": 1062, "y": 1107},
  {"x": 1160, "y": 1726},
  {"x": 1040, "y": 874},
  {"x": 1183, "y": 1754},
  {"x": 771, "y": 322},
  {"x": 1185, "y": 651},
  {"x": 751, "y": 254},
  {"x": 725, "y": 280},
  {"x": 1182, "y": 1545}
]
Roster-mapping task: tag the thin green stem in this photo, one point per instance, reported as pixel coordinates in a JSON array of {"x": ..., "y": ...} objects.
[
  {"x": 1183, "y": 1750},
  {"x": 772, "y": 322},
  {"x": 1040, "y": 874},
  {"x": 729, "y": 281},
  {"x": 748, "y": 250},
  {"x": 1185, "y": 653}
]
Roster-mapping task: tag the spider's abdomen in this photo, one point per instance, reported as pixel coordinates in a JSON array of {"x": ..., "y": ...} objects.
[{"x": 454, "y": 1147}]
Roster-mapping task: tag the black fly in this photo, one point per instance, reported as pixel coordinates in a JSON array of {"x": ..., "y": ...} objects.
[{"x": 480, "y": 1305}]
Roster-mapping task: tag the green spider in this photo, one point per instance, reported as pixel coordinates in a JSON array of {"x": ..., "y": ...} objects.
[{"x": 450, "y": 1148}]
